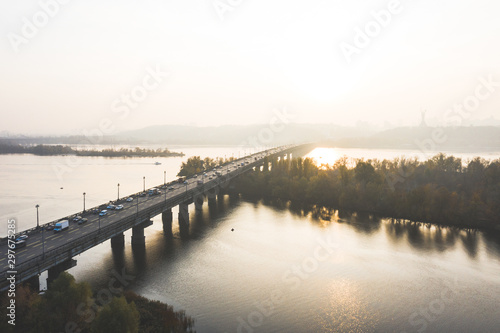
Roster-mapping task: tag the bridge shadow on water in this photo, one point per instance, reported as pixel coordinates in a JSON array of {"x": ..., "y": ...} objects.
[{"x": 163, "y": 248}]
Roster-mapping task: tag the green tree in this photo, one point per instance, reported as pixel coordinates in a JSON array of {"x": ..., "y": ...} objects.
[{"x": 117, "y": 316}]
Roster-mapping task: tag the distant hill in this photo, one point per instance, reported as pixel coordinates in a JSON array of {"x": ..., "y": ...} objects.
[
  {"x": 480, "y": 138},
  {"x": 236, "y": 135}
]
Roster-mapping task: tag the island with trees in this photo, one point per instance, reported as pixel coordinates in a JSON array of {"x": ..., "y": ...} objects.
[
  {"x": 441, "y": 190},
  {"x": 52, "y": 150}
]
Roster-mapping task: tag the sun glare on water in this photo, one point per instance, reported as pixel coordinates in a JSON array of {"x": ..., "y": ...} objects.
[{"x": 324, "y": 156}]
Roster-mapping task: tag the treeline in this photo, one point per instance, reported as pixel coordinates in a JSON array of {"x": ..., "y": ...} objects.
[
  {"x": 68, "y": 306},
  {"x": 441, "y": 190},
  {"x": 196, "y": 165},
  {"x": 51, "y": 150}
]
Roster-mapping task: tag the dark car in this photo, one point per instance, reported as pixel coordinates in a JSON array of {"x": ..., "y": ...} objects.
[
  {"x": 21, "y": 238},
  {"x": 82, "y": 221},
  {"x": 49, "y": 227},
  {"x": 19, "y": 244}
]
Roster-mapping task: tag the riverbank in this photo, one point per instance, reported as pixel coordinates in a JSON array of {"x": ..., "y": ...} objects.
[{"x": 73, "y": 306}]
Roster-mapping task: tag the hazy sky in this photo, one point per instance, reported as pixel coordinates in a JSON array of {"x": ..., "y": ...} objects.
[{"x": 80, "y": 63}]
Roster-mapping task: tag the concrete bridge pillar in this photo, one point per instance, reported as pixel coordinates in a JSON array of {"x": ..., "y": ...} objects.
[
  {"x": 54, "y": 272},
  {"x": 183, "y": 218},
  {"x": 118, "y": 241},
  {"x": 167, "y": 218},
  {"x": 212, "y": 200},
  {"x": 198, "y": 202},
  {"x": 138, "y": 237},
  {"x": 212, "y": 195}
]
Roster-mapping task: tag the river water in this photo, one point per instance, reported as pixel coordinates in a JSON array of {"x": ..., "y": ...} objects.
[{"x": 257, "y": 267}]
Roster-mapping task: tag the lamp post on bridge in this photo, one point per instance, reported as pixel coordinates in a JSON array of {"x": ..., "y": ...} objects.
[
  {"x": 84, "y": 201},
  {"x": 144, "y": 184},
  {"x": 43, "y": 243},
  {"x": 37, "y": 219},
  {"x": 164, "y": 177},
  {"x": 118, "y": 191}
]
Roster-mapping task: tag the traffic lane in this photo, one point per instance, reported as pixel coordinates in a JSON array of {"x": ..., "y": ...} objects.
[{"x": 48, "y": 240}]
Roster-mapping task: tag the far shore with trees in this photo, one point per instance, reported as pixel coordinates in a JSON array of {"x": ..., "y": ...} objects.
[
  {"x": 195, "y": 165},
  {"x": 54, "y": 150},
  {"x": 441, "y": 190}
]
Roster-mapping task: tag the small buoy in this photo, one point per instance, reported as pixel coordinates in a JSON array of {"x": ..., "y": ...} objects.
[
  {"x": 61, "y": 188},
  {"x": 232, "y": 229}
]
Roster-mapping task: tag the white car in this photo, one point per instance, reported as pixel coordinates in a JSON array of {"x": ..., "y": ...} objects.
[
  {"x": 129, "y": 199},
  {"x": 119, "y": 207}
]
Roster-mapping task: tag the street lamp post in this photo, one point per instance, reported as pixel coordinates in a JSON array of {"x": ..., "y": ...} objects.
[
  {"x": 37, "y": 219},
  {"x": 43, "y": 243},
  {"x": 164, "y": 177},
  {"x": 84, "y": 201},
  {"x": 99, "y": 222},
  {"x": 144, "y": 184},
  {"x": 118, "y": 191}
]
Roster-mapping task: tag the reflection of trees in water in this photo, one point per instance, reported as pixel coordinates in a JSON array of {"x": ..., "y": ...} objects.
[
  {"x": 470, "y": 242},
  {"x": 364, "y": 222},
  {"x": 427, "y": 237},
  {"x": 492, "y": 242}
]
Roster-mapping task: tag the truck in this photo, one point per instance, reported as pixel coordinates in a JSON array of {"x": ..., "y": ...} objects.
[
  {"x": 154, "y": 191},
  {"x": 61, "y": 225}
]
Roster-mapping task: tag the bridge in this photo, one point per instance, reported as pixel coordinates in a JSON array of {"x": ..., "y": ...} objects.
[{"x": 54, "y": 252}]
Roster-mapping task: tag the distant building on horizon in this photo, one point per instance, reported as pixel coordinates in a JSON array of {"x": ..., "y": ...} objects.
[{"x": 422, "y": 121}]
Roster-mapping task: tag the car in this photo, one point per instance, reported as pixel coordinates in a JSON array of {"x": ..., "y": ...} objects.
[
  {"x": 210, "y": 177},
  {"x": 143, "y": 194},
  {"x": 19, "y": 244},
  {"x": 170, "y": 188},
  {"x": 82, "y": 221},
  {"x": 129, "y": 199},
  {"x": 49, "y": 227},
  {"x": 195, "y": 176},
  {"x": 119, "y": 207},
  {"x": 111, "y": 207},
  {"x": 185, "y": 182},
  {"x": 21, "y": 238},
  {"x": 103, "y": 212},
  {"x": 77, "y": 218}
]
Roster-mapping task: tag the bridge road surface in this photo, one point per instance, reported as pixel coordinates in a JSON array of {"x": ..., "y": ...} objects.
[{"x": 75, "y": 231}]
